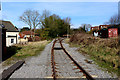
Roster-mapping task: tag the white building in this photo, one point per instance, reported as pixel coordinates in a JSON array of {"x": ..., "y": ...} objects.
[
  {"x": 11, "y": 33},
  {"x": 28, "y": 33},
  {"x": 22, "y": 39}
]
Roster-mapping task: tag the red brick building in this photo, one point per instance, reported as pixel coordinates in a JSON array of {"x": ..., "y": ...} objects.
[{"x": 30, "y": 35}]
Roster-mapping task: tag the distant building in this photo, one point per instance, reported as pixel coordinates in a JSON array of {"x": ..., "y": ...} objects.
[
  {"x": 95, "y": 28},
  {"x": 109, "y": 31},
  {"x": 22, "y": 39},
  {"x": 100, "y": 27},
  {"x": 28, "y": 33},
  {"x": 11, "y": 33},
  {"x": 104, "y": 26}
]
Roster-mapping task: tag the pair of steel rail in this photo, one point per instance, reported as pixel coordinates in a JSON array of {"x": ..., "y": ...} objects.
[{"x": 85, "y": 73}]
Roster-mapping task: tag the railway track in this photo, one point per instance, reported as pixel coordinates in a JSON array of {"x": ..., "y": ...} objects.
[
  {"x": 63, "y": 61},
  {"x": 55, "y": 63}
]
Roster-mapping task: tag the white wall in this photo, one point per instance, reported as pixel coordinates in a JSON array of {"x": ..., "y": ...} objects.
[
  {"x": 29, "y": 35},
  {"x": 8, "y": 39},
  {"x": 22, "y": 40}
]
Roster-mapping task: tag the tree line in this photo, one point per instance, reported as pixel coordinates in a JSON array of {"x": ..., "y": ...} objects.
[{"x": 50, "y": 25}]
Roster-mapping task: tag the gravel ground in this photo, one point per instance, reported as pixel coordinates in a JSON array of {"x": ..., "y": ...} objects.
[
  {"x": 40, "y": 66},
  {"x": 36, "y": 67},
  {"x": 92, "y": 69},
  {"x": 65, "y": 68}
]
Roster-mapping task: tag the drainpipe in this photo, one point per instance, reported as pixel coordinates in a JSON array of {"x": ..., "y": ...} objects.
[{"x": 16, "y": 38}]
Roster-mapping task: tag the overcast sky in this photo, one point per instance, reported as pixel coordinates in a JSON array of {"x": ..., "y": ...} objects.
[{"x": 94, "y": 13}]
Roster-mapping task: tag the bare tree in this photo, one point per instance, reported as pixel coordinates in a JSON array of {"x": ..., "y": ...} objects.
[
  {"x": 114, "y": 20},
  {"x": 44, "y": 15},
  {"x": 67, "y": 20},
  {"x": 32, "y": 18}
]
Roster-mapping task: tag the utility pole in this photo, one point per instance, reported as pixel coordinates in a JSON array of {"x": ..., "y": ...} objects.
[{"x": 119, "y": 12}]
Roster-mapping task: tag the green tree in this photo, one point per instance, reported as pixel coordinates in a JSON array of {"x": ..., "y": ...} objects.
[{"x": 56, "y": 25}]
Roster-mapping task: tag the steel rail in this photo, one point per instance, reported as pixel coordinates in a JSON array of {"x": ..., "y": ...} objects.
[
  {"x": 53, "y": 61},
  {"x": 88, "y": 76}
]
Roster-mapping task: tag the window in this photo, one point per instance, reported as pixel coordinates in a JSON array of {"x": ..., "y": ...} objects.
[{"x": 12, "y": 40}]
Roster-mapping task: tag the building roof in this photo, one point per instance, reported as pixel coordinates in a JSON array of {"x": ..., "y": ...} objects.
[
  {"x": 8, "y": 25},
  {"x": 28, "y": 32},
  {"x": 21, "y": 35},
  {"x": 105, "y": 25},
  {"x": 95, "y": 27}
]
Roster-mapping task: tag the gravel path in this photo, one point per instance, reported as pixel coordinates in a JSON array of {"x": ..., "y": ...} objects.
[
  {"x": 36, "y": 67},
  {"x": 40, "y": 66}
]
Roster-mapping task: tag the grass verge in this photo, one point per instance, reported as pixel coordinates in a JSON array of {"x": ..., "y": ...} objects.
[{"x": 29, "y": 50}]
